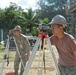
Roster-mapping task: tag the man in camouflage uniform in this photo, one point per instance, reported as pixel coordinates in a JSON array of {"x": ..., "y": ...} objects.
[{"x": 23, "y": 47}]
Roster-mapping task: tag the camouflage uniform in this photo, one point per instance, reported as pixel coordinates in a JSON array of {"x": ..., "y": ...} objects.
[
  {"x": 67, "y": 70},
  {"x": 24, "y": 48}
]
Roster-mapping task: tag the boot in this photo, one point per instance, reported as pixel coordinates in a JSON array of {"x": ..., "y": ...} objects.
[{"x": 16, "y": 73}]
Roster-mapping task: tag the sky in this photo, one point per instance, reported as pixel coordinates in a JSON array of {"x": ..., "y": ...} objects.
[{"x": 23, "y": 3}]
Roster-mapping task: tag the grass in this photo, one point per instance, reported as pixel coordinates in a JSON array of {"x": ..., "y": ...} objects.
[
  {"x": 10, "y": 53},
  {"x": 2, "y": 47},
  {"x": 1, "y": 51}
]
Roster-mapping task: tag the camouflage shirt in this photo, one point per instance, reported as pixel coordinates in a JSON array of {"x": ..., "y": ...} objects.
[{"x": 23, "y": 44}]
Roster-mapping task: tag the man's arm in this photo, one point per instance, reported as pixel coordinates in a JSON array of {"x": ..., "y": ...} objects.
[
  {"x": 28, "y": 48},
  {"x": 75, "y": 47},
  {"x": 72, "y": 44}
]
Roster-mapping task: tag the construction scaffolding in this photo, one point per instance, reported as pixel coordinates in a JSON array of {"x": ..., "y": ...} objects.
[{"x": 71, "y": 16}]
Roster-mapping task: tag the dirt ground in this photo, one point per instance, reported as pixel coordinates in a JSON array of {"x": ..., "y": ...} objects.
[{"x": 49, "y": 64}]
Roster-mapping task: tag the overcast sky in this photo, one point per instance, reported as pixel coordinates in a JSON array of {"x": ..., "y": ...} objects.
[{"x": 23, "y": 3}]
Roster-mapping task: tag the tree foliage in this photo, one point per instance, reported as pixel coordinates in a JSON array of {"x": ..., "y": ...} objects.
[
  {"x": 29, "y": 18},
  {"x": 8, "y": 16},
  {"x": 1, "y": 18},
  {"x": 15, "y": 15},
  {"x": 50, "y": 8}
]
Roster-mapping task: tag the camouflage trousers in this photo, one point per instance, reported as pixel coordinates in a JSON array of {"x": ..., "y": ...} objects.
[
  {"x": 67, "y": 70},
  {"x": 17, "y": 62}
]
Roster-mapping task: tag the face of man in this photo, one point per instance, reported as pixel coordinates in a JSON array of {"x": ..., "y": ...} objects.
[
  {"x": 17, "y": 33},
  {"x": 56, "y": 29}
]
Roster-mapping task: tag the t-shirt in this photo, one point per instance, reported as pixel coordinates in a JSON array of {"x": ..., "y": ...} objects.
[{"x": 66, "y": 47}]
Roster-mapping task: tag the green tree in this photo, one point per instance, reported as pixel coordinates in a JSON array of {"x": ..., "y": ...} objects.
[
  {"x": 1, "y": 18},
  {"x": 8, "y": 18},
  {"x": 29, "y": 18},
  {"x": 50, "y": 8}
]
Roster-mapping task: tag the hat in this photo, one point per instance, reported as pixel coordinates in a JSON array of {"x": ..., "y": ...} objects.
[
  {"x": 17, "y": 28},
  {"x": 59, "y": 19}
]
